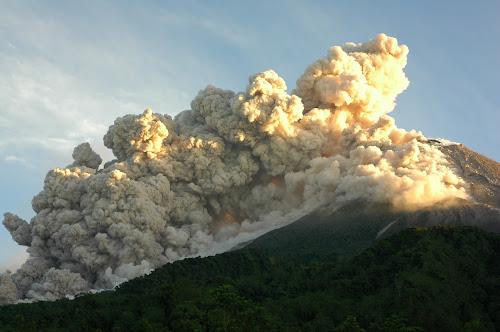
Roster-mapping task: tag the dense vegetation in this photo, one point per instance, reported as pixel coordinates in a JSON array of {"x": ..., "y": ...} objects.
[{"x": 436, "y": 279}]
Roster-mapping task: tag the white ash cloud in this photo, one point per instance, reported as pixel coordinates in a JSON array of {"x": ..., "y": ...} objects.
[{"x": 229, "y": 166}]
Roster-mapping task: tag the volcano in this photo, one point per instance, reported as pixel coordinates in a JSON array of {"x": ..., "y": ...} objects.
[{"x": 239, "y": 164}]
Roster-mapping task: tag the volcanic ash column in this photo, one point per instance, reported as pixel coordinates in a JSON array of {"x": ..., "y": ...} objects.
[{"x": 236, "y": 163}]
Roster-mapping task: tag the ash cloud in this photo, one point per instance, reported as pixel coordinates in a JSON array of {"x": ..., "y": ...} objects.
[{"x": 232, "y": 167}]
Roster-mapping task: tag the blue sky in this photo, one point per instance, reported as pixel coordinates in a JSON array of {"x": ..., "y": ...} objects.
[{"x": 69, "y": 68}]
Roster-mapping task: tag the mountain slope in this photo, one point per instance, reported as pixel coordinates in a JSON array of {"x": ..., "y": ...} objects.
[
  {"x": 357, "y": 225},
  {"x": 482, "y": 173},
  {"x": 344, "y": 232}
]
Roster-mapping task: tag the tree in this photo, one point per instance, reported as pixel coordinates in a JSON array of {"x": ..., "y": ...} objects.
[{"x": 349, "y": 325}]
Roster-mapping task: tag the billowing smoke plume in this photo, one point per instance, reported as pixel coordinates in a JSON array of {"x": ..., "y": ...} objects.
[{"x": 236, "y": 163}]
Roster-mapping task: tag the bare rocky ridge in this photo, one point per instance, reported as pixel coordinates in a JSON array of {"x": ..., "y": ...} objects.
[{"x": 482, "y": 173}]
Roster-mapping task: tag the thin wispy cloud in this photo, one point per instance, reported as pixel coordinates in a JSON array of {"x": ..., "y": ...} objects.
[
  {"x": 46, "y": 101},
  {"x": 18, "y": 160},
  {"x": 227, "y": 31}
]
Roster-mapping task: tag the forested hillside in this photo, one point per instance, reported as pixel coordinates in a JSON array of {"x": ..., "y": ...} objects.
[{"x": 440, "y": 278}]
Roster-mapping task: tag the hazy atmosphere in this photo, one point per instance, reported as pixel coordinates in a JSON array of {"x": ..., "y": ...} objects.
[{"x": 69, "y": 70}]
